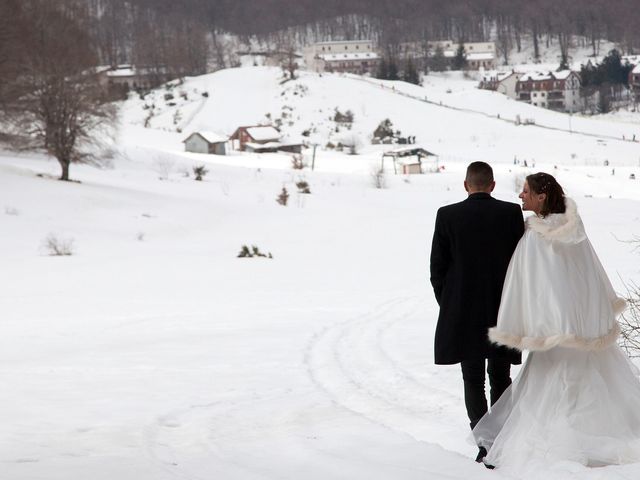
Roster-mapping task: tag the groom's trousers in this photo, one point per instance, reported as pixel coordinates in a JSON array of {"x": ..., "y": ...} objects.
[{"x": 473, "y": 375}]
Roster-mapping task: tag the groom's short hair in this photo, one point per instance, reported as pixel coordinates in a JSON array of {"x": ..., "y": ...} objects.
[{"x": 479, "y": 175}]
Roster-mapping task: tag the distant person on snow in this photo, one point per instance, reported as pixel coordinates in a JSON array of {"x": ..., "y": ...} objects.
[{"x": 472, "y": 244}]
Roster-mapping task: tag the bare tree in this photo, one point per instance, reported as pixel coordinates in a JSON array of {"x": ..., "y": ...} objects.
[
  {"x": 56, "y": 102},
  {"x": 630, "y": 319},
  {"x": 504, "y": 38},
  {"x": 630, "y": 322},
  {"x": 289, "y": 61}
]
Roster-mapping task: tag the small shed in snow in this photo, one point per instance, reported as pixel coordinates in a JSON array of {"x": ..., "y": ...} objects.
[
  {"x": 206, "y": 142},
  {"x": 410, "y": 160}
]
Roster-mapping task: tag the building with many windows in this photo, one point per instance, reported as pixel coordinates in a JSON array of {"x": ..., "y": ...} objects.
[
  {"x": 554, "y": 90},
  {"x": 352, "y": 56},
  {"x": 479, "y": 55},
  {"x": 634, "y": 81}
]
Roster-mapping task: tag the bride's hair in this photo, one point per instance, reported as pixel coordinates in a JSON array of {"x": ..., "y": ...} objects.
[{"x": 544, "y": 183}]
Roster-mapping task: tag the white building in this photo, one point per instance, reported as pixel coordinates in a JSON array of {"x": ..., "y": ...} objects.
[
  {"x": 354, "y": 56},
  {"x": 502, "y": 82},
  {"x": 206, "y": 142},
  {"x": 480, "y": 55},
  {"x": 634, "y": 81}
]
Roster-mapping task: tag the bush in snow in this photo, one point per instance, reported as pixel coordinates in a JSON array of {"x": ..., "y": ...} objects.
[
  {"x": 303, "y": 187},
  {"x": 150, "y": 114},
  {"x": 283, "y": 198},
  {"x": 378, "y": 178},
  {"x": 385, "y": 130},
  {"x": 56, "y": 246},
  {"x": 630, "y": 322},
  {"x": 296, "y": 161},
  {"x": 10, "y": 210},
  {"x": 630, "y": 318},
  {"x": 254, "y": 251},
  {"x": 177, "y": 117},
  {"x": 163, "y": 166},
  {"x": 200, "y": 171},
  {"x": 346, "y": 117},
  {"x": 353, "y": 143}
]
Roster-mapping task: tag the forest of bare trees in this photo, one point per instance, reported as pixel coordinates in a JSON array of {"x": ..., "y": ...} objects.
[
  {"x": 183, "y": 35},
  {"x": 188, "y": 36}
]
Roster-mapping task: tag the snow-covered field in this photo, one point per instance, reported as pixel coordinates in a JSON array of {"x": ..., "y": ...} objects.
[{"x": 154, "y": 353}]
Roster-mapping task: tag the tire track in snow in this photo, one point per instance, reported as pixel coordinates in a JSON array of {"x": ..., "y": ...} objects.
[
  {"x": 179, "y": 441},
  {"x": 351, "y": 364},
  {"x": 172, "y": 439}
]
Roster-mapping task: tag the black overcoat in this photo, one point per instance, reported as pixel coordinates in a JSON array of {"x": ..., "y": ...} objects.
[{"x": 472, "y": 244}]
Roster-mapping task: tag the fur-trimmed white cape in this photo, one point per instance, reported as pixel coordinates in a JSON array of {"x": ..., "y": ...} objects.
[{"x": 556, "y": 292}]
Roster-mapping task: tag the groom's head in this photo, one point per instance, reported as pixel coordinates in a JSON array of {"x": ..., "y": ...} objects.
[{"x": 479, "y": 178}]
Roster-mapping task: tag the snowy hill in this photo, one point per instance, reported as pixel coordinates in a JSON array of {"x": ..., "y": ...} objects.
[
  {"x": 154, "y": 353},
  {"x": 448, "y": 116}
]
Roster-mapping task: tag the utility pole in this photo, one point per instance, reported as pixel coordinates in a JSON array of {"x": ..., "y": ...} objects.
[{"x": 313, "y": 159}]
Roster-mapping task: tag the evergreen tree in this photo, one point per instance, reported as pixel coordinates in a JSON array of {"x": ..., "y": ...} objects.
[
  {"x": 460, "y": 59},
  {"x": 588, "y": 74},
  {"x": 410, "y": 74},
  {"x": 604, "y": 98},
  {"x": 392, "y": 72},
  {"x": 384, "y": 129},
  {"x": 438, "y": 61},
  {"x": 626, "y": 70},
  {"x": 383, "y": 69},
  {"x": 612, "y": 67}
]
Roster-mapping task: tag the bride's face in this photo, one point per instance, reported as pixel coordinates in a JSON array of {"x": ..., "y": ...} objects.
[{"x": 531, "y": 201}]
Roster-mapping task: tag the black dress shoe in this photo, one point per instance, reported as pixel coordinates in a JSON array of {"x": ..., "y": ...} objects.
[{"x": 482, "y": 452}]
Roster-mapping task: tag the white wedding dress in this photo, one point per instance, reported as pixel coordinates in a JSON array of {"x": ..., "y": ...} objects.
[{"x": 577, "y": 397}]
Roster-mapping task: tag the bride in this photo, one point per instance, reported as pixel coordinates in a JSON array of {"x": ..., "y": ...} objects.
[{"x": 577, "y": 397}]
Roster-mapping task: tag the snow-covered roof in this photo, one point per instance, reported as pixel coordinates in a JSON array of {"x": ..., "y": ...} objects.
[
  {"x": 102, "y": 68},
  {"x": 291, "y": 140},
  {"x": 407, "y": 152},
  {"x": 131, "y": 70},
  {"x": 262, "y": 134},
  {"x": 535, "y": 76},
  {"x": 212, "y": 137},
  {"x": 335, "y": 57},
  {"x": 496, "y": 76},
  {"x": 636, "y": 69},
  {"x": 255, "y": 146},
  {"x": 563, "y": 74},
  {"x": 470, "y": 56},
  {"x": 121, "y": 72},
  {"x": 480, "y": 56},
  {"x": 343, "y": 42},
  {"x": 540, "y": 76}
]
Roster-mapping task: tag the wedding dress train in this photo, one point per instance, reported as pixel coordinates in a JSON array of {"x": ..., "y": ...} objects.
[
  {"x": 566, "y": 404},
  {"x": 577, "y": 396}
]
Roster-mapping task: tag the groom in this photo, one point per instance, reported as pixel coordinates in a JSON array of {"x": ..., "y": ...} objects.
[{"x": 472, "y": 244}]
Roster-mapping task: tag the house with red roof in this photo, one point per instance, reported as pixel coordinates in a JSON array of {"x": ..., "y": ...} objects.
[{"x": 553, "y": 90}]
